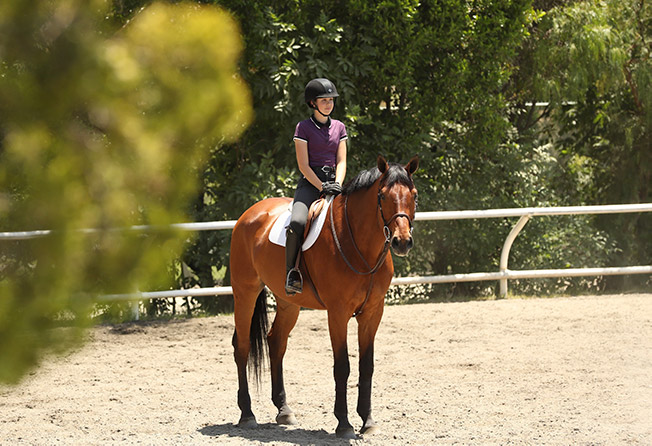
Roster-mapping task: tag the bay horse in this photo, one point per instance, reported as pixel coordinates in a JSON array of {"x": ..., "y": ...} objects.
[{"x": 346, "y": 272}]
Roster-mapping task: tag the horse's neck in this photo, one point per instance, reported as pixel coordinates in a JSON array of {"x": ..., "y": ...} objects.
[{"x": 364, "y": 218}]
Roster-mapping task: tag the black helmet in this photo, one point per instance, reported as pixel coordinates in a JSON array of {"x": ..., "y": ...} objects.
[{"x": 319, "y": 88}]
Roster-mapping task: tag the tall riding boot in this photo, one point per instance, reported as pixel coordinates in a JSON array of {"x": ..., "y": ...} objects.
[{"x": 293, "y": 281}]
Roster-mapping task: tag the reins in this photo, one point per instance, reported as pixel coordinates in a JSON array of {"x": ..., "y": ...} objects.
[{"x": 381, "y": 257}]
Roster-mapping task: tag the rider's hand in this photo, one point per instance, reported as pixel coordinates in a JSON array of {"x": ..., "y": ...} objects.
[{"x": 331, "y": 188}]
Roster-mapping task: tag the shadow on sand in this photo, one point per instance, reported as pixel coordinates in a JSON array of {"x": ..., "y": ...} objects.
[{"x": 274, "y": 433}]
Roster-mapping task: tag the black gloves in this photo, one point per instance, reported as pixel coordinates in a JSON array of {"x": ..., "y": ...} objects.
[{"x": 331, "y": 188}]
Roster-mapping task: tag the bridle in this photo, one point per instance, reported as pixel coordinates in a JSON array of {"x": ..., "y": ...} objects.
[
  {"x": 386, "y": 232},
  {"x": 386, "y": 223},
  {"x": 383, "y": 254}
]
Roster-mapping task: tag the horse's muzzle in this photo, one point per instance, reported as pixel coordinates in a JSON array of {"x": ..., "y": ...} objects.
[{"x": 401, "y": 247}]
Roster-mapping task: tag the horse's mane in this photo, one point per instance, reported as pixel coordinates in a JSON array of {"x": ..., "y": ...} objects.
[{"x": 396, "y": 173}]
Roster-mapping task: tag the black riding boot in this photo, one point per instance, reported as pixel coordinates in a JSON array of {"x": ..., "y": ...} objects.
[{"x": 293, "y": 280}]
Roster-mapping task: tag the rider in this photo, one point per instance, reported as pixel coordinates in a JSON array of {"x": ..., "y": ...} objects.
[{"x": 320, "y": 144}]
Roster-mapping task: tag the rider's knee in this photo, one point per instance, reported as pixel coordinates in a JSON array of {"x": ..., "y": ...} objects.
[{"x": 295, "y": 226}]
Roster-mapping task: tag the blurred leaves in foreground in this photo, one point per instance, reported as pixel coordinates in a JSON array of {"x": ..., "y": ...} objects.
[{"x": 101, "y": 127}]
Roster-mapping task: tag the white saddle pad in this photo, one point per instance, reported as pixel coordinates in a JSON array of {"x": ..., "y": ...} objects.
[{"x": 277, "y": 233}]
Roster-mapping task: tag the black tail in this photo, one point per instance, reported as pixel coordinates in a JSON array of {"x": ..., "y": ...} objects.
[{"x": 258, "y": 336}]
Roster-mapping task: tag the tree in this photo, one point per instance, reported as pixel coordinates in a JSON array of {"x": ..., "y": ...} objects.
[
  {"x": 101, "y": 128},
  {"x": 448, "y": 80},
  {"x": 434, "y": 88},
  {"x": 591, "y": 61}
]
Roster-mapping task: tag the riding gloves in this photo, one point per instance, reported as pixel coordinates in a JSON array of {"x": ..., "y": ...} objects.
[{"x": 331, "y": 188}]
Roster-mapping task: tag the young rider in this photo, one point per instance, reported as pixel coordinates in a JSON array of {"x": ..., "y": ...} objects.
[{"x": 320, "y": 144}]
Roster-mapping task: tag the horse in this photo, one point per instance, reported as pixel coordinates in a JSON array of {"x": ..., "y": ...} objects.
[{"x": 347, "y": 273}]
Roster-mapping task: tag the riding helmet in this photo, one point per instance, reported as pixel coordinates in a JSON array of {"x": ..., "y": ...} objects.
[{"x": 319, "y": 88}]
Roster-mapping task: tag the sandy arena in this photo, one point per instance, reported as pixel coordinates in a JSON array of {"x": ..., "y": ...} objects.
[{"x": 563, "y": 371}]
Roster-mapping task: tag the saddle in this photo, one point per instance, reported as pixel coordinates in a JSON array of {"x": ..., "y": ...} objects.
[
  {"x": 315, "y": 208},
  {"x": 316, "y": 218}
]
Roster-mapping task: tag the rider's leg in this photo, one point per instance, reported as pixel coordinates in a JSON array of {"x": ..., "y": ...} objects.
[
  {"x": 293, "y": 281},
  {"x": 305, "y": 194}
]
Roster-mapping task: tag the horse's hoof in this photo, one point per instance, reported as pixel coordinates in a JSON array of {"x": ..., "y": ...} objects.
[
  {"x": 286, "y": 418},
  {"x": 346, "y": 433},
  {"x": 370, "y": 430},
  {"x": 247, "y": 423}
]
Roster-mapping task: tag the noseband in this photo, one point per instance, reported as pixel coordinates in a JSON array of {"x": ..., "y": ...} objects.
[{"x": 386, "y": 223}]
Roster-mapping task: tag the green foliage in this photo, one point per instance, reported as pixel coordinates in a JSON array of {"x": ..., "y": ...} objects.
[
  {"x": 414, "y": 77},
  {"x": 449, "y": 80},
  {"x": 454, "y": 81},
  {"x": 102, "y": 128},
  {"x": 591, "y": 61},
  {"x": 446, "y": 80}
]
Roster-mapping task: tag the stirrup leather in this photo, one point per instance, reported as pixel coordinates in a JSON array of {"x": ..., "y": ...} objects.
[{"x": 293, "y": 286}]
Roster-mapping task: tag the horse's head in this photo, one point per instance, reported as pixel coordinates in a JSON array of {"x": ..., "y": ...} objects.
[{"x": 397, "y": 200}]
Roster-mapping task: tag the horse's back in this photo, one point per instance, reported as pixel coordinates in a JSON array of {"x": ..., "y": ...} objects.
[
  {"x": 249, "y": 239},
  {"x": 261, "y": 216}
]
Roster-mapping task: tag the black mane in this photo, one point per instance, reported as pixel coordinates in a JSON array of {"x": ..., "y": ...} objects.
[{"x": 396, "y": 173}]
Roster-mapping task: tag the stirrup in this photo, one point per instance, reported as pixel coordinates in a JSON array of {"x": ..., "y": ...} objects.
[{"x": 292, "y": 285}]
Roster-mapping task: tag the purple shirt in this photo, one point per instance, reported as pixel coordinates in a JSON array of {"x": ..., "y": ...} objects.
[{"x": 323, "y": 140}]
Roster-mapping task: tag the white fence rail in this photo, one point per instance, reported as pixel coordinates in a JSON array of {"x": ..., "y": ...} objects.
[
  {"x": 525, "y": 215},
  {"x": 502, "y": 275}
]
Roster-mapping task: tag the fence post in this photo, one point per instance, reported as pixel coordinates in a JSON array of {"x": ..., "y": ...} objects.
[
  {"x": 135, "y": 310},
  {"x": 507, "y": 246}
]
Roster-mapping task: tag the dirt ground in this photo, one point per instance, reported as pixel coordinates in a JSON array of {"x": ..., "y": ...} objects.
[{"x": 556, "y": 371}]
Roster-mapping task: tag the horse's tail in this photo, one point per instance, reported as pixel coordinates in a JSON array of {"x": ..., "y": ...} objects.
[{"x": 258, "y": 336}]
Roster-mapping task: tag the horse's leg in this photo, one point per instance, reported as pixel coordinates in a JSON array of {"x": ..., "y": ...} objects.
[
  {"x": 286, "y": 318},
  {"x": 244, "y": 306},
  {"x": 337, "y": 326},
  {"x": 368, "y": 322}
]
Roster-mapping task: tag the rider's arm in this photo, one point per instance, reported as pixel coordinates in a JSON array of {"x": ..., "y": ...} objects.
[
  {"x": 340, "y": 170},
  {"x": 301, "y": 148}
]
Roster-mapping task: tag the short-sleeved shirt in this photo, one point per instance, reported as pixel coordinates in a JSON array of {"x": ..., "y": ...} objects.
[{"x": 323, "y": 140}]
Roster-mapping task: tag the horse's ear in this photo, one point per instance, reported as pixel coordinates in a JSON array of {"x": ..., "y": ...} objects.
[
  {"x": 413, "y": 165},
  {"x": 382, "y": 164}
]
